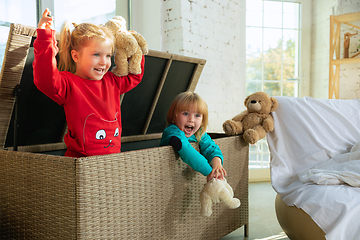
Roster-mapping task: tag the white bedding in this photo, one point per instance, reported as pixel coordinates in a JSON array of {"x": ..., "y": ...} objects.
[
  {"x": 341, "y": 169},
  {"x": 310, "y": 133}
]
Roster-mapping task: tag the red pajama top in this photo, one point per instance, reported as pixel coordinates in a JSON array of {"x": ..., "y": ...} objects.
[{"x": 92, "y": 108}]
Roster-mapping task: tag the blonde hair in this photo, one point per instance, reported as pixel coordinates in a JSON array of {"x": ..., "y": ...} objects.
[
  {"x": 77, "y": 39},
  {"x": 183, "y": 102}
]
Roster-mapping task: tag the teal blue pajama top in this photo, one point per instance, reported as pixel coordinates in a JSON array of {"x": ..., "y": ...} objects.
[{"x": 200, "y": 162}]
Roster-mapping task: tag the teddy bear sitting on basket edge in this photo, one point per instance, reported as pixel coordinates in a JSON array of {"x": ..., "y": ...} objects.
[{"x": 256, "y": 121}]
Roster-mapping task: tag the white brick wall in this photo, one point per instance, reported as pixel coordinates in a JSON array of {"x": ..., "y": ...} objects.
[
  {"x": 213, "y": 30},
  {"x": 322, "y": 9},
  {"x": 350, "y": 81}
]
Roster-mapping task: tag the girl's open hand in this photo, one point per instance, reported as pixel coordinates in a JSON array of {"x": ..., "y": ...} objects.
[
  {"x": 46, "y": 21},
  {"x": 218, "y": 172}
]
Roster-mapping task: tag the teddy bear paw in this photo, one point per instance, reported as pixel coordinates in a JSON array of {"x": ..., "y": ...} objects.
[
  {"x": 206, "y": 212},
  {"x": 120, "y": 72},
  {"x": 135, "y": 70},
  {"x": 268, "y": 126},
  {"x": 251, "y": 136},
  {"x": 230, "y": 128},
  {"x": 234, "y": 203}
]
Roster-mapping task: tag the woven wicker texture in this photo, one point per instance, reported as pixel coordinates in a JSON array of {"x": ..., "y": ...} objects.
[
  {"x": 14, "y": 59},
  {"x": 144, "y": 194},
  {"x": 152, "y": 194},
  {"x": 37, "y": 199}
]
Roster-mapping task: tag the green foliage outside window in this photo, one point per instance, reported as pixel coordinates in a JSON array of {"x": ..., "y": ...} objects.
[{"x": 276, "y": 67}]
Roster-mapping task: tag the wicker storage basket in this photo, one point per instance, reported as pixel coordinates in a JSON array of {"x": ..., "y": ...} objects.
[{"x": 144, "y": 192}]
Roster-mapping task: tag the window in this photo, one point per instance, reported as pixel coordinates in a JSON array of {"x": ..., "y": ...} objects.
[
  {"x": 19, "y": 11},
  {"x": 25, "y": 12},
  {"x": 79, "y": 11},
  {"x": 272, "y": 57},
  {"x": 4, "y": 31}
]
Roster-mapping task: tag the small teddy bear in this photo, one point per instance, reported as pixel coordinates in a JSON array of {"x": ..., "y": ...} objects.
[
  {"x": 214, "y": 191},
  {"x": 129, "y": 45},
  {"x": 256, "y": 121}
]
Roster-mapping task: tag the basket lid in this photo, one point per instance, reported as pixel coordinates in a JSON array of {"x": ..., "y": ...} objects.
[{"x": 41, "y": 122}]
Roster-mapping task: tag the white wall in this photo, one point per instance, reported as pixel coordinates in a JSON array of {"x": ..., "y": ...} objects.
[
  {"x": 148, "y": 21},
  {"x": 215, "y": 31},
  {"x": 321, "y": 11},
  {"x": 211, "y": 30},
  {"x": 306, "y": 40},
  {"x": 349, "y": 75}
]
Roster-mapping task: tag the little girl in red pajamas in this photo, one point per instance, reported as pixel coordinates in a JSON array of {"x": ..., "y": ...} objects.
[{"x": 89, "y": 93}]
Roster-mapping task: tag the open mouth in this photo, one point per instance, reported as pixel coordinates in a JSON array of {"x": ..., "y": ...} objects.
[
  {"x": 99, "y": 70},
  {"x": 188, "y": 129}
]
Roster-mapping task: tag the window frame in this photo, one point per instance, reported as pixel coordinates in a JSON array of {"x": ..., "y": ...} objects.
[{"x": 263, "y": 174}]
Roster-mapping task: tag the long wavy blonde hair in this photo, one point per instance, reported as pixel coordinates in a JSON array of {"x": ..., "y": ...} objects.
[
  {"x": 77, "y": 39},
  {"x": 183, "y": 102}
]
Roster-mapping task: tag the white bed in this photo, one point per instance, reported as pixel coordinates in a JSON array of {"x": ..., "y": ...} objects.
[{"x": 308, "y": 134}]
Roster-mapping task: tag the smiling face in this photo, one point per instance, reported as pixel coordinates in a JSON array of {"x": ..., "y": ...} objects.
[
  {"x": 189, "y": 121},
  {"x": 93, "y": 60}
]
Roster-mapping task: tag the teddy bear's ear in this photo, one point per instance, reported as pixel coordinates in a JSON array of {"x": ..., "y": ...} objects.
[
  {"x": 246, "y": 101},
  {"x": 274, "y": 104}
]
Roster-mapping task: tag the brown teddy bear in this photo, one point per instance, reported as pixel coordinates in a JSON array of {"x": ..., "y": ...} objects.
[
  {"x": 129, "y": 45},
  {"x": 256, "y": 121}
]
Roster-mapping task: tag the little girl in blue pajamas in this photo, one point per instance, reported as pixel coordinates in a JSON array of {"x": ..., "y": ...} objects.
[{"x": 188, "y": 119}]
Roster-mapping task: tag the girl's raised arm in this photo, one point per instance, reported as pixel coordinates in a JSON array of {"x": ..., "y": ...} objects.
[{"x": 46, "y": 21}]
